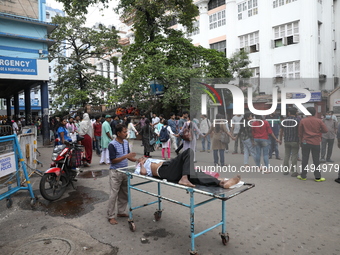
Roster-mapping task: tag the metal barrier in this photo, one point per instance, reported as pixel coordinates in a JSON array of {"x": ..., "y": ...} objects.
[
  {"x": 6, "y": 130},
  {"x": 12, "y": 168},
  {"x": 28, "y": 146}
]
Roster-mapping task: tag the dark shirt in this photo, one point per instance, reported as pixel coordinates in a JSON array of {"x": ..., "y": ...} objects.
[
  {"x": 290, "y": 131},
  {"x": 246, "y": 133},
  {"x": 113, "y": 125},
  {"x": 172, "y": 124}
]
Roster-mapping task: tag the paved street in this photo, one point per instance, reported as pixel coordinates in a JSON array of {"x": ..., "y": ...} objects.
[{"x": 281, "y": 215}]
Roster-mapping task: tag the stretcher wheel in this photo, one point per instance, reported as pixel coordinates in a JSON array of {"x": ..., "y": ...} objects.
[
  {"x": 132, "y": 226},
  {"x": 9, "y": 202},
  {"x": 33, "y": 201},
  {"x": 158, "y": 215},
  {"x": 225, "y": 239}
]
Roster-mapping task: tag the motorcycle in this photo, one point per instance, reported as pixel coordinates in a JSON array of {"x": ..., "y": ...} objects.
[{"x": 66, "y": 158}]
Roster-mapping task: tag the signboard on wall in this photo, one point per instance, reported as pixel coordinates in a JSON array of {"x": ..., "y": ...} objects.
[
  {"x": 10, "y": 65},
  {"x": 336, "y": 106},
  {"x": 315, "y": 96}
]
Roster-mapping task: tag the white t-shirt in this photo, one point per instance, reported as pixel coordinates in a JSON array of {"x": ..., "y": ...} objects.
[
  {"x": 147, "y": 166},
  {"x": 155, "y": 120},
  {"x": 237, "y": 127},
  {"x": 15, "y": 128}
]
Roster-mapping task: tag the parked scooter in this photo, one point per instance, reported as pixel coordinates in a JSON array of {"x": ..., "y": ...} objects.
[{"x": 66, "y": 158}]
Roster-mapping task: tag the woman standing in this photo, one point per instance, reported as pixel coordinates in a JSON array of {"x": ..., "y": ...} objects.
[
  {"x": 158, "y": 128},
  {"x": 97, "y": 134},
  {"x": 147, "y": 135},
  {"x": 62, "y": 132},
  {"x": 167, "y": 144},
  {"x": 132, "y": 132},
  {"x": 86, "y": 130},
  {"x": 218, "y": 146},
  {"x": 194, "y": 133}
]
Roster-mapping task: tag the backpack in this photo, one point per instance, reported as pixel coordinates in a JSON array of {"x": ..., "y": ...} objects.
[{"x": 164, "y": 135}]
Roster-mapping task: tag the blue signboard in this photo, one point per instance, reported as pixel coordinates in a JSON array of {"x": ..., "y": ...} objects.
[
  {"x": 156, "y": 89},
  {"x": 18, "y": 65},
  {"x": 34, "y": 102},
  {"x": 315, "y": 96}
]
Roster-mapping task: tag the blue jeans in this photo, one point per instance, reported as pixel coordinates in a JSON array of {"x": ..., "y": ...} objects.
[
  {"x": 208, "y": 142},
  {"x": 249, "y": 149},
  {"x": 97, "y": 144},
  {"x": 221, "y": 152},
  {"x": 261, "y": 148}
]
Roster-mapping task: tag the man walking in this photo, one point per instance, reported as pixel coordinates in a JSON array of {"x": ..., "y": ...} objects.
[
  {"x": 205, "y": 127},
  {"x": 172, "y": 125},
  {"x": 274, "y": 121},
  {"x": 328, "y": 138},
  {"x": 310, "y": 130}
]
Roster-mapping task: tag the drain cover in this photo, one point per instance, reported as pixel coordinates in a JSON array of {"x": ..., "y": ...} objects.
[{"x": 46, "y": 246}]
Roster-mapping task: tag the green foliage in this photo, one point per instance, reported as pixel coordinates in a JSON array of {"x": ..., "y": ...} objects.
[
  {"x": 168, "y": 60},
  {"x": 77, "y": 83},
  {"x": 238, "y": 64},
  {"x": 149, "y": 18}
]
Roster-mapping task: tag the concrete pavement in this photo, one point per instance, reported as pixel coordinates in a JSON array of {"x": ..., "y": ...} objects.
[{"x": 281, "y": 215}]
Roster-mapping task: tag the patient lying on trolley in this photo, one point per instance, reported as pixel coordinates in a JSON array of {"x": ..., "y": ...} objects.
[{"x": 182, "y": 171}]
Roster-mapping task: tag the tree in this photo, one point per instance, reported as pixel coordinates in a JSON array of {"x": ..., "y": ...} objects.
[
  {"x": 77, "y": 83},
  {"x": 168, "y": 60},
  {"x": 148, "y": 18},
  {"x": 238, "y": 65}
]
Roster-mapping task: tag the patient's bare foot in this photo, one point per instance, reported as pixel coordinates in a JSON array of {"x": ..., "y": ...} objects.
[
  {"x": 113, "y": 221},
  {"x": 227, "y": 184},
  {"x": 185, "y": 181}
]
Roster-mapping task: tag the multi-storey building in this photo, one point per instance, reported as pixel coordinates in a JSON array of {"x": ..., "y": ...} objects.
[{"x": 290, "y": 42}]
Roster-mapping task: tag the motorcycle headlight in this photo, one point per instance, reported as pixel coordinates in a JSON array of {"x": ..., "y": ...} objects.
[{"x": 54, "y": 156}]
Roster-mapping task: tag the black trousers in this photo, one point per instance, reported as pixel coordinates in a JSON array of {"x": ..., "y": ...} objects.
[
  {"x": 306, "y": 150},
  {"x": 183, "y": 164}
]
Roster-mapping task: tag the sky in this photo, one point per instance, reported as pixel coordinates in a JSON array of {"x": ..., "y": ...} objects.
[{"x": 106, "y": 17}]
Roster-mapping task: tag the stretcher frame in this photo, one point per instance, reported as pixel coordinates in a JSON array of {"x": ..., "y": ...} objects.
[{"x": 214, "y": 192}]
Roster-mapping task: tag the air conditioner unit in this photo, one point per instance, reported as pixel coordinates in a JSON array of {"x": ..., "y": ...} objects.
[
  {"x": 322, "y": 77},
  {"x": 272, "y": 44},
  {"x": 278, "y": 80},
  {"x": 296, "y": 38}
]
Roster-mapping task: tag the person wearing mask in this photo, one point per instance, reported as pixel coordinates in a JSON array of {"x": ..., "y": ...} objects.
[
  {"x": 86, "y": 130},
  {"x": 205, "y": 127}
]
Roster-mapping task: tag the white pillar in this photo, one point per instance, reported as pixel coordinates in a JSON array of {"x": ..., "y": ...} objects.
[
  {"x": 204, "y": 22},
  {"x": 231, "y": 31}
]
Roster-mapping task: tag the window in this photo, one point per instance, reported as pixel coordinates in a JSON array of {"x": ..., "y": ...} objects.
[
  {"x": 217, "y": 19},
  {"x": 196, "y": 26},
  {"x": 50, "y": 69},
  {"x": 286, "y": 34},
  {"x": 250, "y": 42},
  {"x": 289, "y": 70},
  {"x": 278, "y": 3},
  {"x": 47, "y": 15},
  {"x": 219, "y": 46},
  {"x": 215, "y": 3},
  {"x": 247, "y": 9}
]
